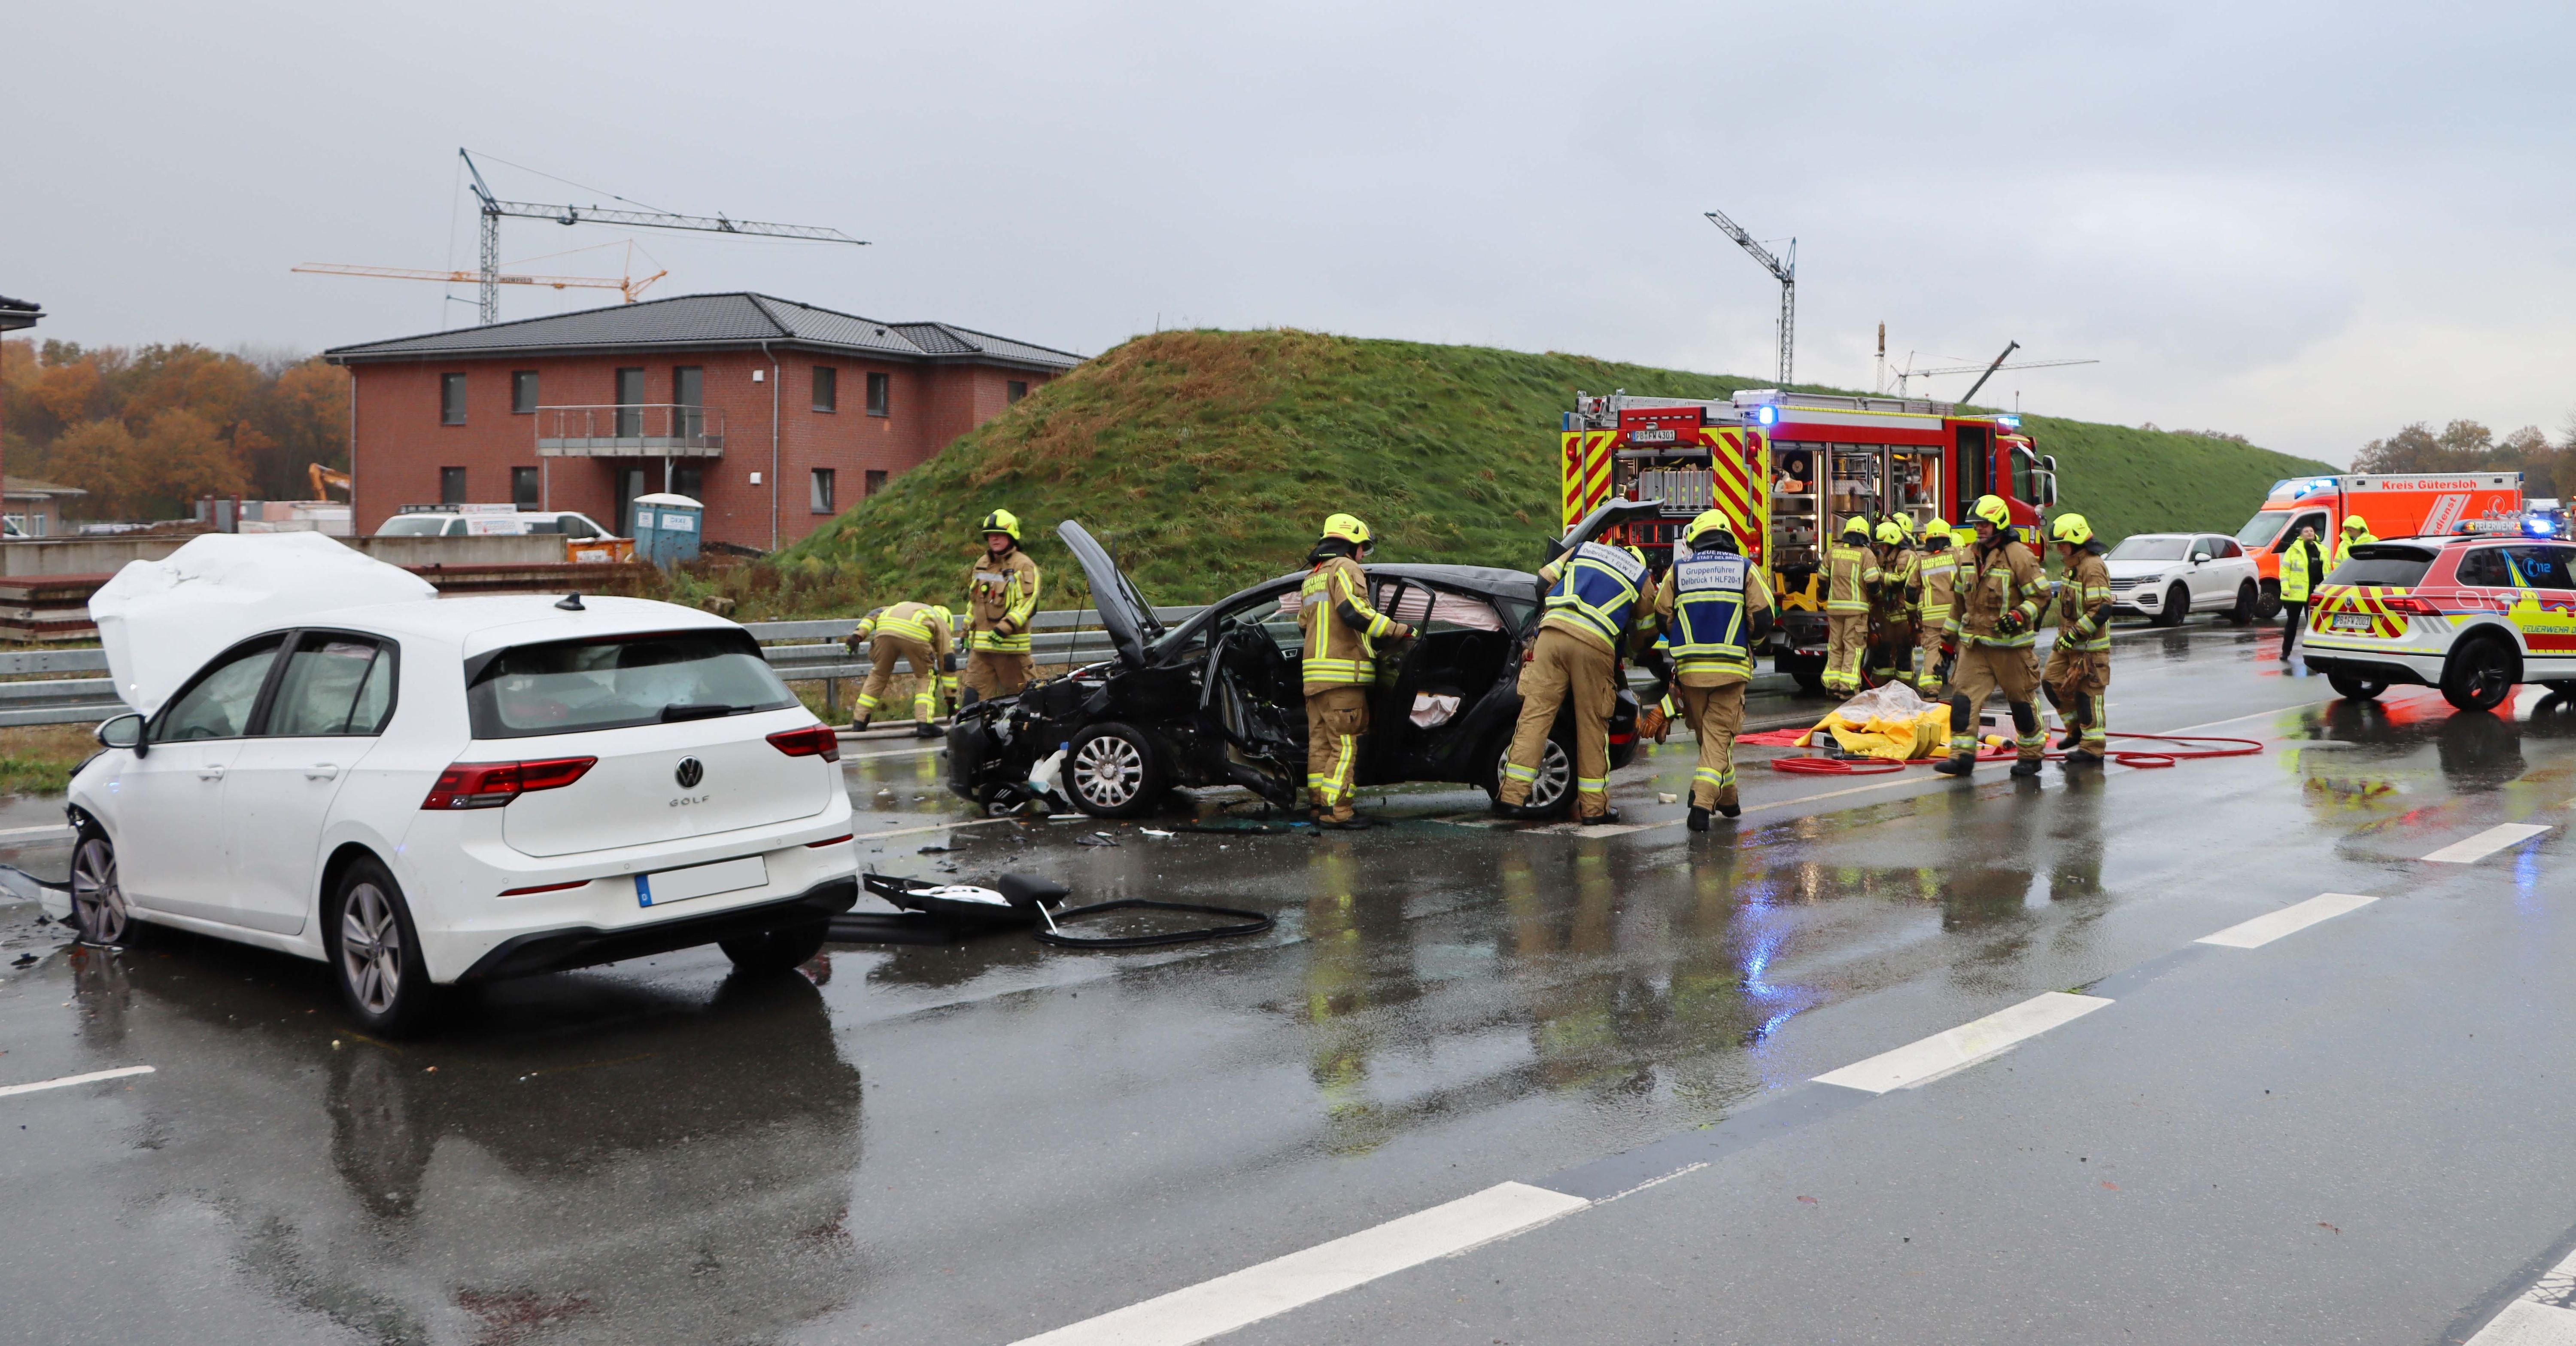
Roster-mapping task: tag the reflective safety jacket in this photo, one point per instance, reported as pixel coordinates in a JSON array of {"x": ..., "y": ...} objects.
[
  {"x": 2084, "y": 601},
  {"x": 2299, "y": 567},
  {"x": 912, "y": 621},
  {"x": 1937, "y": 572},
  {"x": 1896, "y": 579},
  {"x": 2343, "y": 552},
  {"x": 1714, "y": 606},
  {"x": 1849, "y": 573},
  {"x": 1001, "y": 598},
  {"x": 2002, "y": 578},
  {"x": 1594, "y": 593},
  {"x": 1341, "y": 628}
]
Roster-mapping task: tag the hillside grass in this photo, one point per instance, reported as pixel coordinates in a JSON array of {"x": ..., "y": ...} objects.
[{"x": 1207, "y": 461}]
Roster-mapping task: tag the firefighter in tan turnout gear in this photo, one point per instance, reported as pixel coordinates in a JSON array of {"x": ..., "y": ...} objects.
[
  {"x": 1714, "y": 608},
  {"x": 1893, "y": 599},
  {"x": 2079, "y": 668},
  {"x": 1599, "y": 597},
  {"x": 916, "y": 634},
  {"x": 2001, "y": 590},
  {"x": 1339, "y": 665},
  {"x": 1002, "y": 599},
  {"x": 1851, "y": 571},
  {"x": 1935, "y": 571}
]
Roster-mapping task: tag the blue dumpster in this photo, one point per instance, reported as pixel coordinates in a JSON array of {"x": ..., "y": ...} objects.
[{"x": 666, "y": 528}]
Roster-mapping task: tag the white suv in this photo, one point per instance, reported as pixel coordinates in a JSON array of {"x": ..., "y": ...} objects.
[
  {"x": 2169, "y": 576},
  {"x": 469, "y": 789}
]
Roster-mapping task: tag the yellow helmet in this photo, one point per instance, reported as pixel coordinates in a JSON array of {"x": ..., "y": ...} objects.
[
  {"x": 1889, "y": 534},
  {"x": 1002, "y": 521},
  {"x": 1637, "y": 553},
  {"x": 2354, "y": 523},
  {"x": 940, "y": 614},
  {"x": 1709, "y": 521},
  {"x": 1856, "y": 526},
  {"x": 1938, "y": 528},
  {"x": 2071, "y": 530},
  {"x": 1993, "y": 510},
  {"x": 1905, "y": 522},
  {"x": 1348, "y": 528}
]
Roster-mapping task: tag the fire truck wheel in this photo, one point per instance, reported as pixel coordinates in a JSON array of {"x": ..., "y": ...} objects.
[{"x": 1811, "y": 681}]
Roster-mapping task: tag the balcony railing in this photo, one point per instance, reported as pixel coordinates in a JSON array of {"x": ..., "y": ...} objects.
[{"x": 630, "y": 430}]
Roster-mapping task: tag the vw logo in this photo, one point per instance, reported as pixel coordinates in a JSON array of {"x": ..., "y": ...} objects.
[{"x": 690, "y": 773}]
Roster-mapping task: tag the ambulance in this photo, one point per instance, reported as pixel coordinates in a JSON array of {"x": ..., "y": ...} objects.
[{"x": 2427, "y": 504}]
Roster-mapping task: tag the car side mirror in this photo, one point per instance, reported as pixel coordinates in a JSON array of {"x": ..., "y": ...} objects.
[{"x": 125, "y": 731}]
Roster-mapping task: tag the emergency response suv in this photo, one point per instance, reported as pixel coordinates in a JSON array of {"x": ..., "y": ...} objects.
[{"x": 2473, "y": 615}]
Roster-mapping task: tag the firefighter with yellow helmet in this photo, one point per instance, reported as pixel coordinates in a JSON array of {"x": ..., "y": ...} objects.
[
  {"x": 2079, "y": 668},
  {"x": 1339, "y": 665},
  {"x": 1935, "y": 575},
  {"x": 1992, "y": 628},
  {"x": 1714, "y": 608},
  {"x": 1893, "y": 598},
  {"x": 917, "y": 635},
  {"x": 1851, "y": 569},
  {"x": 1600, "y": 599},
  {"x": 1002, "y": 601}
]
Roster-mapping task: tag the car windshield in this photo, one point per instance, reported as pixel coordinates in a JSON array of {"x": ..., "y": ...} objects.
[
  {"x": 2152, "y": 549},
  {"x": 412, "y": 525},
  {"x": 2396, "y": 567},
  {"x": 614, "y": 682},
  {"x": 2262, "y": 528}
]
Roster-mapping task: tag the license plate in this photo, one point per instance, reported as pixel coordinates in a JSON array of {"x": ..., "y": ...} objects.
[
  {"x": 2352, "y": 621},
  {"x": 679, "y": 885}
]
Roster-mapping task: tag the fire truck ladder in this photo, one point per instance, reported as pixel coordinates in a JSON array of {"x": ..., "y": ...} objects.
[{"x": 1786, "y": 271}]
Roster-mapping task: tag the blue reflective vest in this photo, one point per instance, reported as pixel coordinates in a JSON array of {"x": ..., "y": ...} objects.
[
  {"x": 1710, "y": 634},
  {"x": 1595, "y": 592}
]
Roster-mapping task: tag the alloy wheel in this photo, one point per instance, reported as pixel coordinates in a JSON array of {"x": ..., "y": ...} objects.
[
  {"x": 371, "y": 948},
  {"x": 1108, "y": 771},
  {"x": 98, "y": 904},
  {"x": 1555, "y": 776}
]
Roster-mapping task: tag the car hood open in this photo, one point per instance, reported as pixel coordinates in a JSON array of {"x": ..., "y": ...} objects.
[{"x": 1124, "y": 614}]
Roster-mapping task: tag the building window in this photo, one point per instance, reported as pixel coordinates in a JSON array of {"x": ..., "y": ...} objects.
[
  {"x": 1014, "y": 390},
  {"x": 690, "y": 481},
  {"x": 689, "y": 390},
  {"x": 875, "y": 481},
  {"x": 880, "y": 394},
  {"x": 451, "y": 480},
  {"x": 630, "y": 403},
  {"x": 451, "y": 399},
  {"x": 523, "y": 392},
  {"x": 523, "y": 488},
  {"x": 827, "y": 388},
  {"x": 824, "y": 480}
]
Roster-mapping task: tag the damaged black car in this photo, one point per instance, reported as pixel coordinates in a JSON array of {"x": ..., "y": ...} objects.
[{"x": 1218, "y": 700}]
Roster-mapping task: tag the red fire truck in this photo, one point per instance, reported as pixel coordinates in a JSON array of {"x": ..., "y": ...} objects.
[{"x": 1788, "y": 468}]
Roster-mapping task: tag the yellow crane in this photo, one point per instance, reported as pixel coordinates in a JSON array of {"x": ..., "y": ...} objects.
[{"x": 630, "y": 286}]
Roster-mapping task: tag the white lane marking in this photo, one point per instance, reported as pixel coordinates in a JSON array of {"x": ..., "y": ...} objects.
[
  {"x": 2289, "y": 920},
  {"x": 69, "y": 1080},
  {"x": 1213, "y": 1308},
  {"x": 2537, "y": 1317},
  {"x": 33, "y": 831},
  {"x": 2485, "y": 843},
  {"x": 936, "y": 827},
  {"x": 1922, "y": 1062}
]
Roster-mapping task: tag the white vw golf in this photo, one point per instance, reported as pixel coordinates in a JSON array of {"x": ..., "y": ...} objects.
[{"x": 432, "y": 792}]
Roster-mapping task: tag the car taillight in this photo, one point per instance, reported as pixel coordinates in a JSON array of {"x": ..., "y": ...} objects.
[
  {"x": 815, "y": 740},
  {"x": 2411, "y": 607},
  {"x": 489, "y": 785}
]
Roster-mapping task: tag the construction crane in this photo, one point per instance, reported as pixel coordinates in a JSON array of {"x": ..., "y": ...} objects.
[
  {"x": 1988, "y": 370},
  {"x": 1785, "y": 271},
  {"x": 630, "y": 286},
  {"x": 493, "y": 209}
]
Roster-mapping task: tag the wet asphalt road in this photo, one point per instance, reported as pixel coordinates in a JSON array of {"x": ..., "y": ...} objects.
[{"x": 982, "y": 1141}]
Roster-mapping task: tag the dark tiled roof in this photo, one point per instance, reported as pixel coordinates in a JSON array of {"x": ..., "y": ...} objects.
[
  {"x": 31, "y": 486},
  {"x": 25, "y": 305},
  {"x": 706, "y": 321},
  {"x": 19, "y": 313}
]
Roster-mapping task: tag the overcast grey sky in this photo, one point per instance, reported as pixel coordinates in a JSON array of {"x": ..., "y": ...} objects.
[{"x": 2308, "y": 223}]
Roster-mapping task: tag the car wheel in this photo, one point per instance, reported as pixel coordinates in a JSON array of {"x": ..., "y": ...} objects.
[
  {"x": 1110, "y": 772},
  {"x": 375, "y": 951},
  {"x": 1555, "y": 772},
  {"x": 2177, "y": 607},
  {"x": 2356, "y": 688},
  {"x": 2269, "y": 606},
  {"x": 782, "y": 950},
  {"x": 99, "y": 915},
  {"x": 2248, "y": 599},
  {"x": 2481, "y": 675}
]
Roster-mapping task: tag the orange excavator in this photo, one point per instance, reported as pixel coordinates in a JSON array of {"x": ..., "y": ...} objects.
[{"x": 324, "y": 477}]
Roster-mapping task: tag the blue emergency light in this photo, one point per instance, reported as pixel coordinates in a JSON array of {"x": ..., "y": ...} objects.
[
  {"x": 1767, "y": 415},
  {"x": 2009, "y": 422},
  {"x": 2537, "y": 527}
]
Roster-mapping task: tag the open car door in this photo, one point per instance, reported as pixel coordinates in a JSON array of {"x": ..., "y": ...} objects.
[
  {"x": 1607, "y": 513},
  {"x": 1124, "y": 614}
]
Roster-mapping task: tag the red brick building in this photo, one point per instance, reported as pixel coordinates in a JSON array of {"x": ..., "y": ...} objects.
[{"x": 776, "y": 415}]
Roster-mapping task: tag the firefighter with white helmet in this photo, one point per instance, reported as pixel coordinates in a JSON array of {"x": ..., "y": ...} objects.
[
  {"x": 1998, "y": 608},
  {"x": 1339, "y": 665},
  {"x": 917, "y": 635},
  {"x": 1714, "y": 608},
  {"x": 1002, "y": 600},
  {"x": 2079, "y": 667}
]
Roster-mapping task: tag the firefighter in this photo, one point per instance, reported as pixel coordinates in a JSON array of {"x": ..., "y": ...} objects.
[
  {"x": 1991, "y": 633},
  {"x": 1714, "y": 610},
  {"x": 1850, "y": 569},
  {"x": 2079, "y": 667},
  {"x": 2356, "y": 530},
  {"x": 1339, "y": 664},
  {"x": 917, "y": 634},
  {"x": 1895, "y": 596},
  {"x": 1933, "y": 574},
  {"x": 1599, "y": 598},
  {"x": 1002, "y": 599},
  {"x": 2303, "y": 567}
]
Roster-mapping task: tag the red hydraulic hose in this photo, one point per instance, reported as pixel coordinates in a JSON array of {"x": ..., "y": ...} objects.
[{"x": 2131, "y": 757}]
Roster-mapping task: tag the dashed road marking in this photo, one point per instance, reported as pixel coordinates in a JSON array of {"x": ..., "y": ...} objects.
[
  {"x": 2485, "y": 843},
  {"x": 1215, "y": 1307},
  {"x": 34, "y": 831},
  {"x": 69, "y": 1080},
  {"x": 2289, "y": 920},
  {"x": 2540, "y": 1316},
  {"x": 1958, "y": 1048}
]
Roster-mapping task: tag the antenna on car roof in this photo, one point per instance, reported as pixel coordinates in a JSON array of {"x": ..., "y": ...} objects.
[{"x": 571, "y": 602}]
